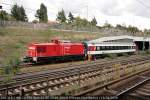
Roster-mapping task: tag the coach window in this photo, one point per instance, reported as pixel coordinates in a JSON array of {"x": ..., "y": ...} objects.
[
  {"x": 111, "y": 48},
  {"x": 114, "y": 47},
  {"x": 100, "y": 47},
  {"x": 97, "y": 48},
  {"x": 125, "y": 47},
  {"x": 119, "y": 47},
  {"x": 103, "y": 47},
  {"x": 122, "y": 47},
  {"x": 107, "y": 47}
]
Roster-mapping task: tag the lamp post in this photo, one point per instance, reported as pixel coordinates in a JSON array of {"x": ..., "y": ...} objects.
[{"x": 144, "y": 41}]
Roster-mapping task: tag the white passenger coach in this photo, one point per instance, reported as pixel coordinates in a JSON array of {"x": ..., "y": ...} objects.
[{"x": 110, "y": 47}]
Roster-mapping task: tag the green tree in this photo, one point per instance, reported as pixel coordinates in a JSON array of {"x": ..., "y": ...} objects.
[
  {"x": 71, "y": 18},
  {"x": 132, "y": 29},
  {"x": 94, "y": 22},
  {"x": 41, "y": 13},
  {"x": 84, "y": 22},
  {"x": 3, "y": 15},
  {"x": 61, "y": 17},
  {"x": 18, "y": 13},
  {"x": 78, "y": 22}
]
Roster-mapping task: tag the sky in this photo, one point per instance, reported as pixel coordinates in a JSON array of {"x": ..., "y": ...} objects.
[{"x": 128, "y": 12}]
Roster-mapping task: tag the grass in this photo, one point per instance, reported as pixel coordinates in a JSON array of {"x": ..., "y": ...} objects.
[{"x": 13, "y": 41}]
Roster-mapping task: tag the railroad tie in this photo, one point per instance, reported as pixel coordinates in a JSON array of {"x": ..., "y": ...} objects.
[
  {"x": 50, "y": 82},
  {"x": 55, "y": 88},
  {"x": 25, "y": 89},
  {"x": 56, "y": 81},
  {"x": 82, "y": 76},
  {"x": 67, "y": 84},
  {"x": 75, "y": 77},
  {"x": 38, "y": 85},
  {"x": 17, "y": 90},
  {"x": 32, "y": 87},
  {"x": 61, "y": 86},
  {"x": 70, "y": 78},
  {"x": 82, "y": 81},
  {"x": 96, "y": 77},
  {"x": 72, "y": 83},
  {"x": 35, "y": 93},
  {"x": 93, "y": 78},
  {"x": 50, "y": 90},
  {"x": 76, "y": 82},
  {"x": 66, "y": 78},
  {"x": 10, "y": 93},
  {"x": 61, "y": 80},
  {"x": 43, "y": 91},
  {"x": 44, "y": 84}
]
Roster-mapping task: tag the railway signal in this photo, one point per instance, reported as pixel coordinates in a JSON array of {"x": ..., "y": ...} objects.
[{"x": 0, "y": 7}]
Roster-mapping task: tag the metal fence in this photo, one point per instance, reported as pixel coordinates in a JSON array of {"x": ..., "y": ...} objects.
[{"x": 64, "y": 27}]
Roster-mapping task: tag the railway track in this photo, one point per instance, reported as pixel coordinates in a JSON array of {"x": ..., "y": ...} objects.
[
  {"x": 82, "y": 66},
  {"x": 51, "y": 82},
  {"x": 139, "y": 91},
  {"x": 135, "y": 87},
  {"x": 65, "y": 72}
]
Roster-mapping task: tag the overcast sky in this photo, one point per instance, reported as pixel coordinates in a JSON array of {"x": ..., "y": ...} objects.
[{"x": 129, "y": 12}]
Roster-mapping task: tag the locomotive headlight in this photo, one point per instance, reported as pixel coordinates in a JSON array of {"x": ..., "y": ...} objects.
[
  {"x": 34, "y": 58},
  {"x": 32, "y": 48}
]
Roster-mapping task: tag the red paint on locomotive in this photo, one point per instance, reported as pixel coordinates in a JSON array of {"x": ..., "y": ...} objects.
[{"x": 55, "y": 48}]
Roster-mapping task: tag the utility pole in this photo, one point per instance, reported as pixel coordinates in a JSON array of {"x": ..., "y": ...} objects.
[{"x": 87, "y": 12}]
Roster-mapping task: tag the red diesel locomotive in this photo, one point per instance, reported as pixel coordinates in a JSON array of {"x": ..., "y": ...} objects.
[{"x": 56, "y": 50}]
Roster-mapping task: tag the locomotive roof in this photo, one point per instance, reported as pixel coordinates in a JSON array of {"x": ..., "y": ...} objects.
[{"x": 40, "y": 44}]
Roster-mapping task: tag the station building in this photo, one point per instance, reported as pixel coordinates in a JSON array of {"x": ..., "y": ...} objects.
[{"x": 143, "y": 43}]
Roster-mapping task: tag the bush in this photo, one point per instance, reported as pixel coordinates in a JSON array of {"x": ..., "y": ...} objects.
[
  {"x": 125, "y": 54},
  {"x": 112, "y": 56},
  {"x": 147, "y": 51},
  {"x": 142, "y": 52}
]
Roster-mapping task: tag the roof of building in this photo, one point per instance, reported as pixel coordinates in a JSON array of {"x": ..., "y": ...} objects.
[{"x": 133, "y": 38}]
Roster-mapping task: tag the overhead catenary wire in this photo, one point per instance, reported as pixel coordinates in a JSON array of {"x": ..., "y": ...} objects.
[{"x": 143, "y": 4}]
